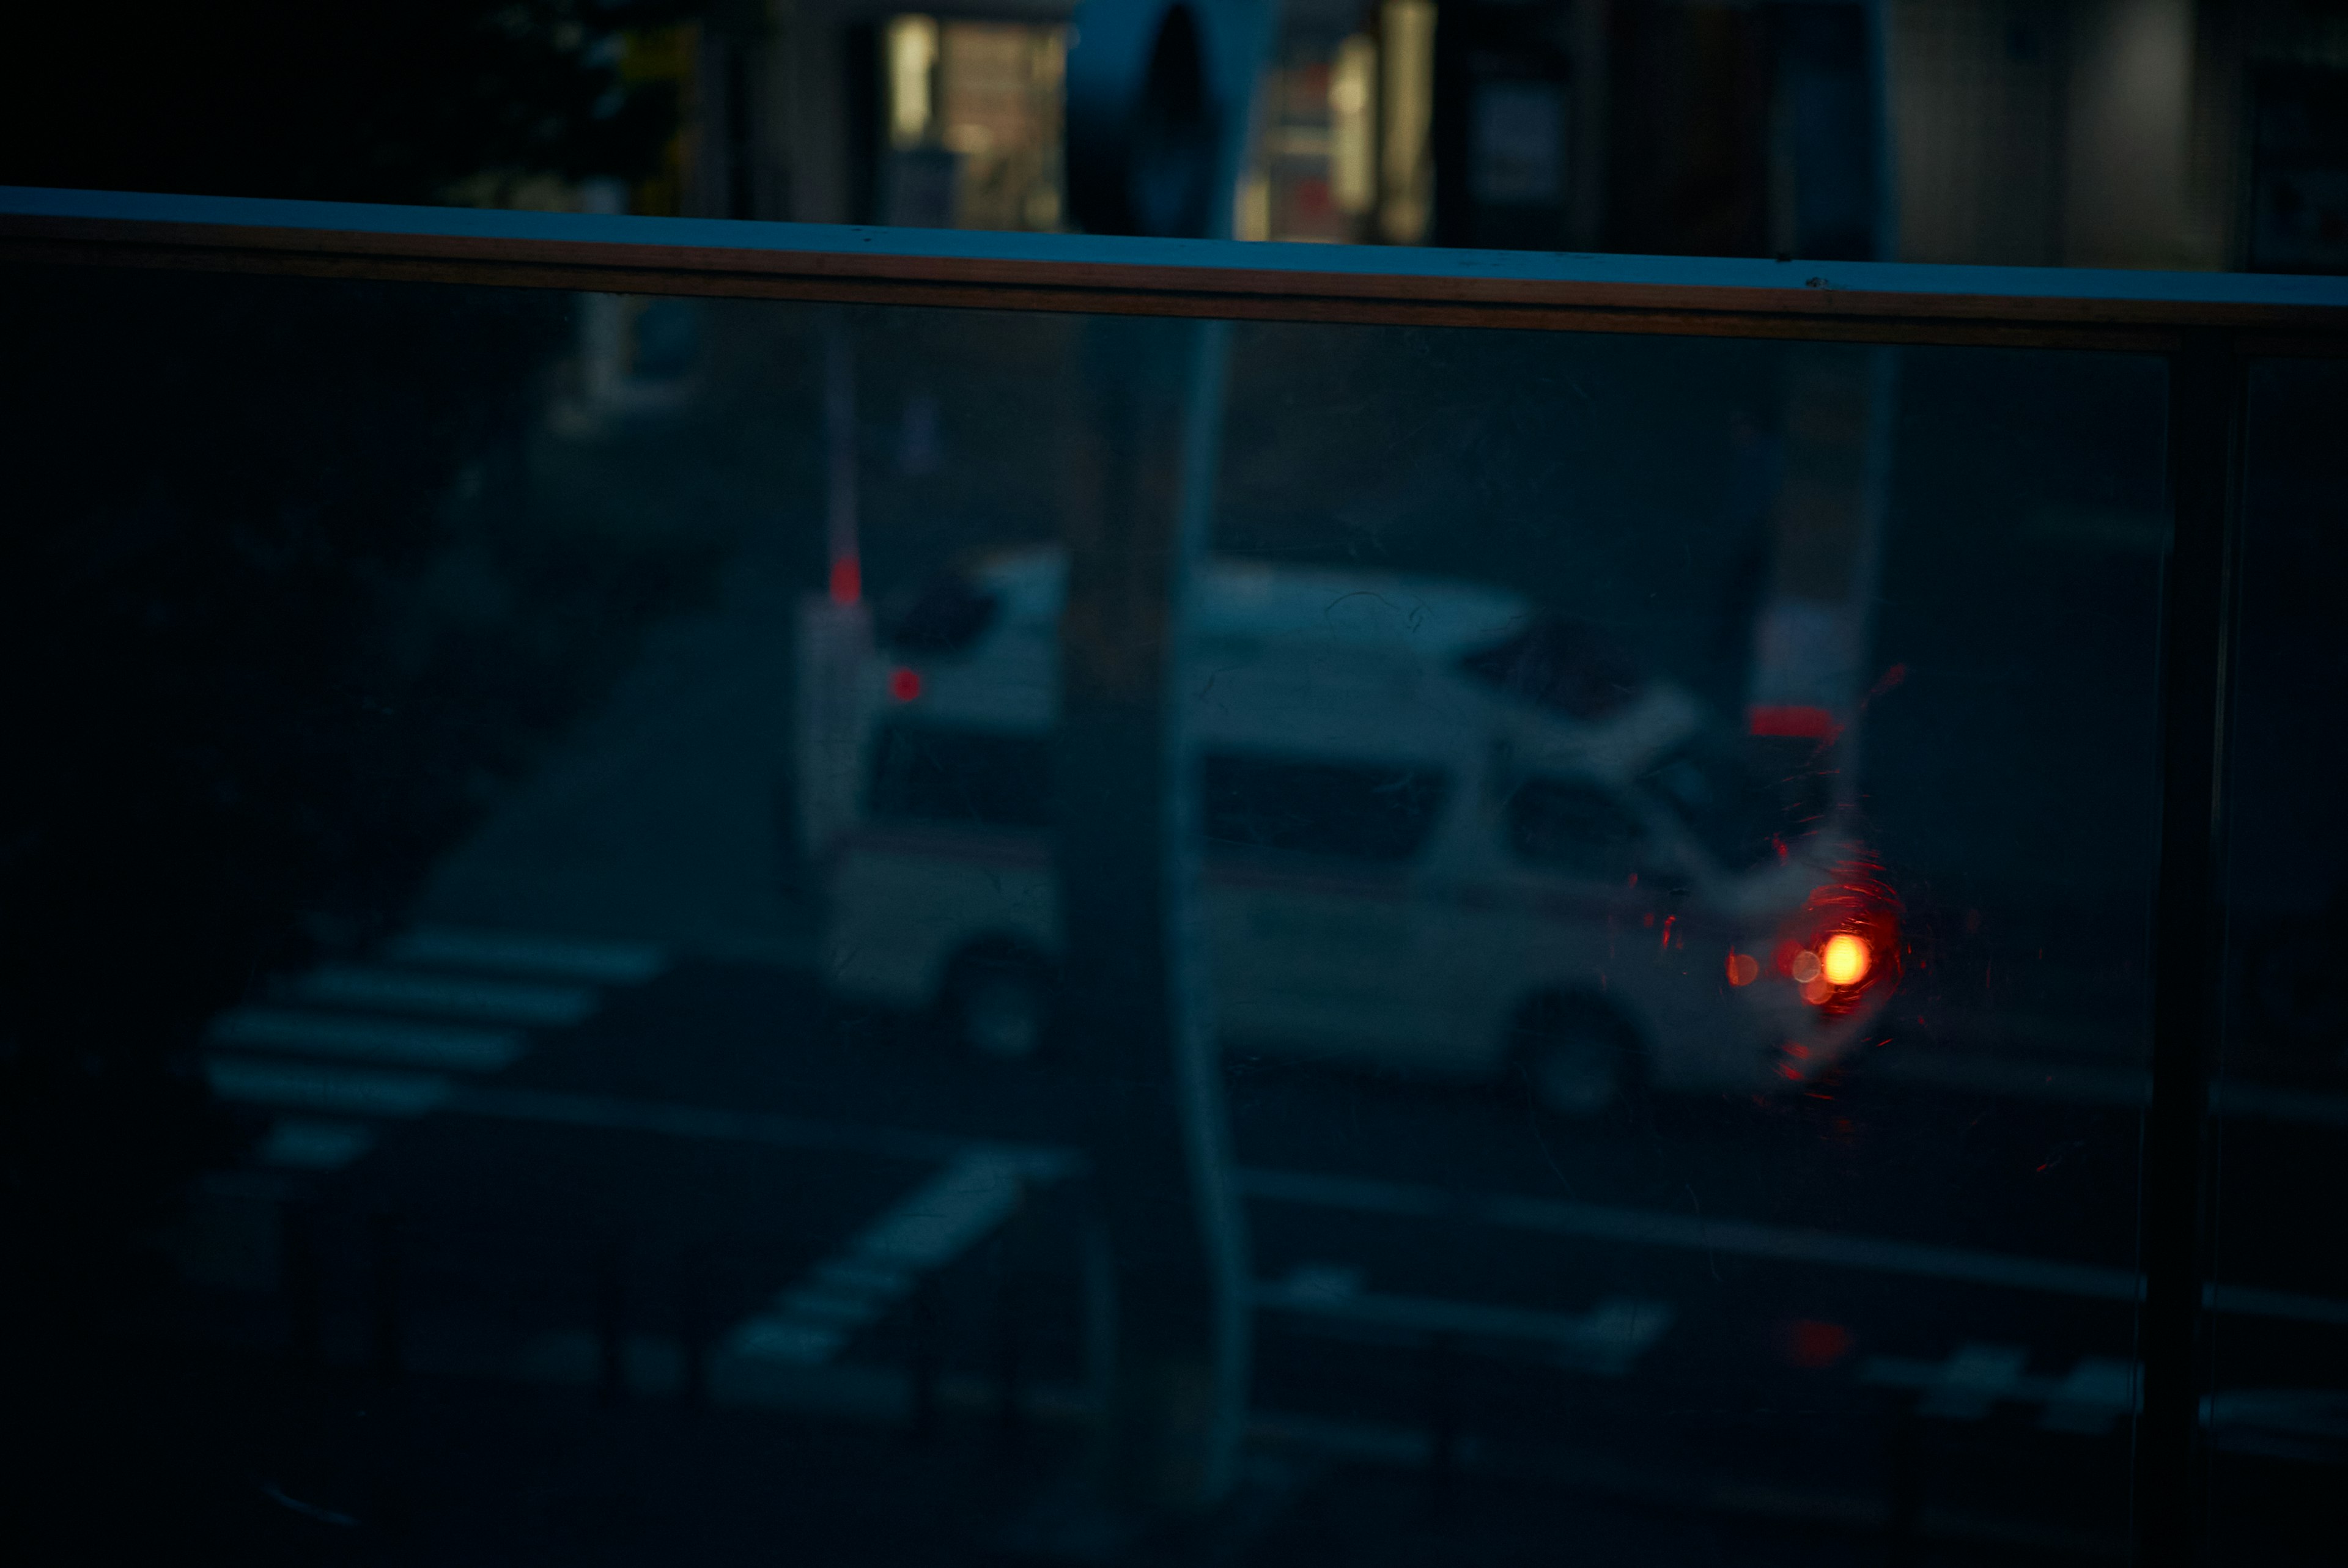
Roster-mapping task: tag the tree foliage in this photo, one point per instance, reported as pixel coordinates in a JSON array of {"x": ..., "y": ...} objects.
[
  {"x": 359, "y": 100},
  {"x": 276, "y": 614}
]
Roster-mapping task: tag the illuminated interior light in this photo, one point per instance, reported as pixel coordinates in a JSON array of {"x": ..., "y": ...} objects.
[
  {"x": 1406, "y": 121},
  {"x": 1845, "y": 960},
  {"x": 1804, "y": 967},
  {"x": 1743, "y": 969},
  {"x": 913, "y": 54},
  {"x": 1816, "y": 990},
  {"x": 1353, "y": 145},
  {"x": 1251, "y": 215},
  {"x": 905, "y": 684}
]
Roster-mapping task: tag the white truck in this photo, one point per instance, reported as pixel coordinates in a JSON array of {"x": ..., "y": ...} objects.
[{"x": 1444, "y": 834}]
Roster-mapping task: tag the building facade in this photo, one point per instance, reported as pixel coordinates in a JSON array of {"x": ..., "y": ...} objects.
[{"x": 2130, "y": 133}]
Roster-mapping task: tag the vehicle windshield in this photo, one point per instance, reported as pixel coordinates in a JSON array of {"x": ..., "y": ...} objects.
[{"x": 1746, "y": 799}]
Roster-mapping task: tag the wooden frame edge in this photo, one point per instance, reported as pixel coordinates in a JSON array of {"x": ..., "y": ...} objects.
[{"x": 1094, "y": 287}]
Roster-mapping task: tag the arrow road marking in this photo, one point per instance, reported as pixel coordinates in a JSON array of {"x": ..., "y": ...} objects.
[{"x": 1607, "y": 1340}]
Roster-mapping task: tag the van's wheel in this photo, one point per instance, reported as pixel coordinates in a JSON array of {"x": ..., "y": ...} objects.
[
  {"x": 1576, "y": 1054},
  {"x": 998, "y": 1004}
]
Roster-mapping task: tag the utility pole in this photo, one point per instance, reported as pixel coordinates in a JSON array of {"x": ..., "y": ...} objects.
[{"x": 1158, "y": 91}]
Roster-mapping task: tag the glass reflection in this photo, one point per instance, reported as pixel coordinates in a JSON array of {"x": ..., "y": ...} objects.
[
  {"x": 1671, "y": 830},
  {"x": 2277, "y": 1405}
]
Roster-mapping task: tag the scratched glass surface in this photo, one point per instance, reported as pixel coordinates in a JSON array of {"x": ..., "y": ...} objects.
[
  {"x": 2277, "y": 1403},
  {"x": 1654, "y": 853}
]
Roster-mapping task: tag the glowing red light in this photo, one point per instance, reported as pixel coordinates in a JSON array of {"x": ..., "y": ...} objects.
[
  {"x": 1743, "y": 969},
  {"x": 905, "y": 684},
  {"x": 1813, "y": 1346},
  {"x": 1804, "y": 724},
  {"x": 1844, "y": 960},
  {"x": 847, "y": 580}
]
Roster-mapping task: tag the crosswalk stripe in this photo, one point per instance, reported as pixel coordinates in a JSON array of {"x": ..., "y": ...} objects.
[
  {"x": 527, "y": 953},
  {"x": 396, "y": 1041},
  {"x": 506, "y": 1103},
  {"x": 302, "y": 1143},
  {"x": 307, "y": 1086},
  {"x": 928, "y": 1229},
  {"x": 499, "y": 1002},
  {"x": 931, "y": 1228}
]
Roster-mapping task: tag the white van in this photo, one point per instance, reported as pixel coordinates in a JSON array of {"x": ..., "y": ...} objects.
[{"x": 1444, "y": 834}]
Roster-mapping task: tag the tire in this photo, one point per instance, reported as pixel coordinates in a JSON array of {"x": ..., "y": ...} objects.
[
  {"x": 998, "y": 1005},
  {"x": 1576, "y": 1055}
]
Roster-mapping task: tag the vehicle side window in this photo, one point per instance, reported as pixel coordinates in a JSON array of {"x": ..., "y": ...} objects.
[
  {"x": 927, "y": 774},
  {"x": 1576, "y": 828},
  {"x": 1336, "y": 809}
]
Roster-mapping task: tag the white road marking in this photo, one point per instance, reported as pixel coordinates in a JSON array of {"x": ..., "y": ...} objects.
[
  {"x": 2078, "y": 1083},
  {"x": 1979, "y": 1376},
  {"x": 301, "y": 1144},
  {"x": 408, "y": 990},
  {"x": 1636, "y": 1227},
  {"x": 504, "y": 1103},
  {"x": 528, "y": 953},
  {"x": 397, "y": 1041},
  {"x": 1974, "y": 1379},
  {"x": 345, "y": 1090},
  {"x": 2309, "y": 1424},
  {"x": 1607, "y": 1340},
  {"x": 2235, "y": 1099},
  {"x": 2068, "y": 1083},
  {"x": 2096, "y": 1393},
  {"x": 1743, "y": 1238},
  {"x": 1651, "y": 1227},
  {"x": 961, "y": 1205},
  {"x": 2306, "y": 1424}
]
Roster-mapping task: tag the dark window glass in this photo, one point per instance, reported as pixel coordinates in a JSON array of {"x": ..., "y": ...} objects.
[
  {"x": 944, "y": 614},
  {"x": 1345, "y": 811},
  {"x": 2278, "y": 1395},
  {"x": 1568, "y": 665},
  {"x": 929, "y": 774},
  {"x": 1573, "y": 827},
  {"x": 533, "y": 1124},
  {"x": 1746, "y": 800}
]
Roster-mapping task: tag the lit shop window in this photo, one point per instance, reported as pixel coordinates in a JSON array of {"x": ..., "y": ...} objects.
[
  {"x": 971, "y": 116},
  {"x": 1342, "y": 150}
]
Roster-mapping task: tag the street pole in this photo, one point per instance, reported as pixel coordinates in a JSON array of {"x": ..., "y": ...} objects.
[
  {"x": 1158, "y": 94},
  {"x": 1138, "y": 1003}
]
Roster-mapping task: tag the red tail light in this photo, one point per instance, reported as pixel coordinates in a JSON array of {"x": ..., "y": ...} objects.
[{"x": 1844, "y": 943}]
